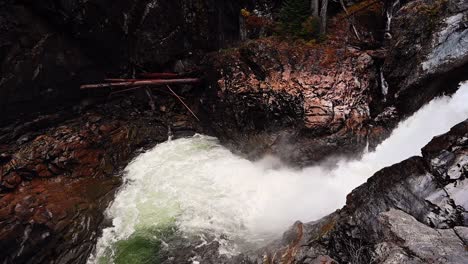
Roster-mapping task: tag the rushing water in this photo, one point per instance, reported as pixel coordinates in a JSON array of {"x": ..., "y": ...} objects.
[{"x": 195, "y": 187}]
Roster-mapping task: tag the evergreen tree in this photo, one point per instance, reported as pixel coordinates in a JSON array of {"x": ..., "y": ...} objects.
[{"x": 293, "y": 14}]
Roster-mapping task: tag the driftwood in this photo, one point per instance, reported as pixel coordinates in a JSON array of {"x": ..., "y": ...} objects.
[{"x": 141, "y": 83}]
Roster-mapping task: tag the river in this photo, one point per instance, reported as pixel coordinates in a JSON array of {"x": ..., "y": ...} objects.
[{"x": 196, "y": 189}]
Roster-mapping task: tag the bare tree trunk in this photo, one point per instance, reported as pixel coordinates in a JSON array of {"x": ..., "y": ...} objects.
[
  {"x": 314, "y": 6},
  {"x": 323, "y": 17},
  {"x": 349, "y": 18},
  {"x": 182, "y": 101}
]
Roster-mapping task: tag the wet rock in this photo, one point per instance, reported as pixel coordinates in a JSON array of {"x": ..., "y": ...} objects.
[
  {"x": 4, "y": 158},
  {"x": 429, "y": 245},
  {"x": 12, "y": 180},
  {"x": 428, "y": 57},
  {"x": 49, "y": 48},
  {"x": 291, "y": 100},
  {"x": 41, "y": 68},
  {"x": 150, "y": 34},
  {"x": 462, "y": 233}
]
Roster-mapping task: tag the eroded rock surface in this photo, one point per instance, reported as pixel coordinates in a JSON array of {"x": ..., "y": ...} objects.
[
  {"x": 49, "y": 48},
  {"x": 428, "y": 51},
  {"x": 304, "y": 102},
  {"x": 39, "y": 67},
  {"x": 299, "y": 102},
  {"x": 413, "y": 242}
]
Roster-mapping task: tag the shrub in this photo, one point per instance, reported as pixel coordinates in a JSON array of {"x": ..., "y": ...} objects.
[{"x": 310, "y": 28}]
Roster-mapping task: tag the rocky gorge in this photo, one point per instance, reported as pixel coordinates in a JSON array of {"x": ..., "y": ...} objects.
[{"x": 62, "y": 150}]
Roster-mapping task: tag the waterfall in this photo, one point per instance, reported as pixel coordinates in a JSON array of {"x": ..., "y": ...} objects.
[
  {"x": 194, "y": 187},
  {"x": 383, "y": 85},
  {"x": 389, "y": 13}
]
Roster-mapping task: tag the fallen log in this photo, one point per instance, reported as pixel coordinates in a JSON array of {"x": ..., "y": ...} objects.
[
  {"x": 141, "y": 83},
  {"x": 162, "y": 75}
]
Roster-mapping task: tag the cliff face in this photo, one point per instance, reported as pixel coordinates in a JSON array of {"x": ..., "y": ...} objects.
[
  {"x": 427, "y": 51},
  {"x": 304, "y": 101},
  {"x": 145, "y": 32},
  {"x": 49, "y": 48},
  {"x": 39, "y": 67},
  {"x": 291, "y": 100}
]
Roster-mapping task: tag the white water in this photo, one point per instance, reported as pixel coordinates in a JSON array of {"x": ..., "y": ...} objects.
[
  {"x": 203, "y": 188},
  {"x": 384, "y": 85}
]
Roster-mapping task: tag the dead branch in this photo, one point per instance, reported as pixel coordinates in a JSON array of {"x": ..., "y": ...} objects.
[
  {"x": 352, "y": 24},
  {"x": 182, "y": 101},
  {"x": 139, "y": 87},
  {"x": 126, "y": 90}
]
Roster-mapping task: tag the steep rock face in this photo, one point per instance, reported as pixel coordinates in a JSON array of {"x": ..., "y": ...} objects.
[
  {"x": 296, "y": 101},
  {"x": 146, "y": 32},
  {"x": 428, "y": 51},
  {"x": 304, "y": 102},
  {"x": 38, "y": 66},
  {"x": 49, "y": 48},
  {"x": 411, "y": 212}
]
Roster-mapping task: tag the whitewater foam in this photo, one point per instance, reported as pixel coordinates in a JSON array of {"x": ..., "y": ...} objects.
[{"x": 200, "y": 187}]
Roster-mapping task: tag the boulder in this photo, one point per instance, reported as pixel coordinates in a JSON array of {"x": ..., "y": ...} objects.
[
  {"x": 427, "y": 52},
  {"x": 299, "y": 102}
]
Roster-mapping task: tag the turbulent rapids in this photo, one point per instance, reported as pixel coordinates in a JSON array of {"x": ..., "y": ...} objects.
[{"x": 197, "y": 190}]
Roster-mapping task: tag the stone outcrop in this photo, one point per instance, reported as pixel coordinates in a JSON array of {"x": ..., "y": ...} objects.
[
  {"x": 299, "y": 102},
  {"x": 149, "y": 32},
  {"x": 49, "y": 48},
  {"x": 428, "y": 51},
  {"x": 304, "y": 101},
  {"x": 39, "y": 68},
  {"x": 411, "y": 212}
]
